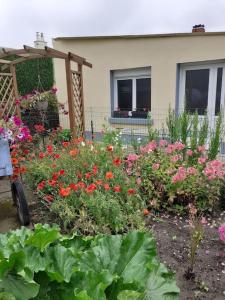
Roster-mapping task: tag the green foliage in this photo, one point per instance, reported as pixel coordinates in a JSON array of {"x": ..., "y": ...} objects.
[
  {"x": 27, "y": 75},
  {"x": 184, "y": 125},
  {"x": 203, "y": 131},
  {"x": 111, "y": 136},
  {"x": 194, "y": 131},
  {"x": 73, "y": 267},
  {"x": 172, "y": 123},
  {"x": 152, "y": 133},
  {"x": 215, "y": 138}
]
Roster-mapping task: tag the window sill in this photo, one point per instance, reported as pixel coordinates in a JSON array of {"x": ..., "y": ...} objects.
[{"x": 128, "y": 121}]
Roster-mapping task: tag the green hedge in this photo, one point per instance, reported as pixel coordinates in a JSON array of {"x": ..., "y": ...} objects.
[{"x": 27, "y": 75}]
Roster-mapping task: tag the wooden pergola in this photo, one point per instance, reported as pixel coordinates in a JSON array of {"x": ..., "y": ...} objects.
[{"x": 74, "y": 79}]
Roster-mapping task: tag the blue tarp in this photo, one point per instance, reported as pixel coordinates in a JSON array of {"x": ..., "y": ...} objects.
[{"x": 5, "y": 159}]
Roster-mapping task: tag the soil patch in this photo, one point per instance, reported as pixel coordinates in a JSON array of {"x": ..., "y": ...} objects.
[{"x": 173, "y": 236}]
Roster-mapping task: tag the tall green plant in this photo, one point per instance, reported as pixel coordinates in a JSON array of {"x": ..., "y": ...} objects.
[
  {"x": 203, "y": 131},
  {"x": 194, "y": 131},
  {"x": 215, "y": 138},
  {"x": 172, "y": 122},
  {"x": 152, "y": 133},
  {"x": 184, "y": 125}
]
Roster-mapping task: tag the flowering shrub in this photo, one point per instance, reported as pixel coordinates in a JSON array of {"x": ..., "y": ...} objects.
[
  {"x": 13, "y": 130},
  {"x": 86, "y": 186},
  {"x": 170, "y": 176},
  {"x": 222, "y": 233}
]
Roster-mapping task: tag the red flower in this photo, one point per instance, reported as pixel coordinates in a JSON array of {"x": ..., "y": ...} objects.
[
  {"x": 146, "y": 212},
  {"x": 98, "y": 182},
  {"x": 109, "y": 175},
  {"x": 131, "y": 191},
  {"x": 39, "y": 128},
  {"x": 41, "y": 155},
  {"x": 52, "y": 182},
  {"x": 109, "y": 148},
  {"x": 91, "y": 188},
  {"x": 73, "y": 152},
  {"x": 55, "y": 176},
  {"x": 23, "y": 170},
  {"x": 65, "y": 144},
  {"x": 88, "y": 175},
  {"x": 50, "y": 149},
  {"x": 117, "y": 161},
  {"x": 41, "y": 185},
  {"x": 64, "y": 192},
  {"x": 95, "y": 169},
  {"x": 79, "y": 175},
  {"x": 26, "y": 151},
  {"x": 62, "y": 172},
  {"x": 81, "y": 184},
  {"x": 117, "y": 189},
  {"x": 57, "y": 155},
  {"x": 106, "y": 187},
  {"x": 73, "y": 186}
]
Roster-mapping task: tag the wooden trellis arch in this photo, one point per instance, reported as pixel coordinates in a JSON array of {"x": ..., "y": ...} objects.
[{"x": 74, "y": 79}]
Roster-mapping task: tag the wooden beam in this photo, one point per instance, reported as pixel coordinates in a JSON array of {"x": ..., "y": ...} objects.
[
  {"x": 3, "y": 61},
  {"x": 78, "y": 59},
  {"x": 23, "y": 59},
  {"x": 82, "y": 98},
  {"x": 69, "y": 84},
  {"x": 43, "y": 52},
  {"x": 15, "y": 87}
]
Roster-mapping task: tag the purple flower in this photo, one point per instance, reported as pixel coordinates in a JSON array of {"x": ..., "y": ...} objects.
[
  {"x": 222, "y": 232},
  {"x": 17, "y": 121}
]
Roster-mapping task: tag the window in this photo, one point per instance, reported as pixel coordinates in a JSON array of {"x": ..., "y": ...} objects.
[
  {"x": 132, "y": 93},
  {"x": 202, "y": 88}
]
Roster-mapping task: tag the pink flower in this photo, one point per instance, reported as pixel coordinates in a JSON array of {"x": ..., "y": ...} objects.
[
  {"x": 132, "y": 157},
  {"x": 17, "y": 102},
  {"x": 222, "y": 232},
  {"x": 189, "y": 152},
  {"x": 180, "y": 175},
  {"x": 192, "y": 171},
  {"x": 170, "y": 149},
  {"x": 175, "y": 158},
  {"x": 179, "y": 146},
  {"x": 150, "y": 147},
  {"x": 201, "y": 160},
  {"x": 155, "y": 166},
  {"x": 162, "y": 143},
  {"x": 201, "y": 148}
]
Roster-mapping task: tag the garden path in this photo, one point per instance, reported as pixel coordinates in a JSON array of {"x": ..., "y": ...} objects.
[{"x": 8, "y": 213}]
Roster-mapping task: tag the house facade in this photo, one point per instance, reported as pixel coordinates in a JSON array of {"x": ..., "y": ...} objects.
[{"x": 132, "y": 75}]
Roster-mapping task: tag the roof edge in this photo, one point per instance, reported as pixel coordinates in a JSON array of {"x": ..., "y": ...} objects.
[{"x": 136, "y": 36}]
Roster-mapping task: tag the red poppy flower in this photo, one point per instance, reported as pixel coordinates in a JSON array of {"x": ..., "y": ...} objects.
[
  {"x": 39, "y": 128},
  {"x": 95, "y": 169},
  {"x": 146, "y": 212},
  {"x": 55, "y": 176},
  {"x": 91, "y": 188},
  {"x": 57, "y": 156},
  {"x": 117, "y": 161},
  {"x": 23, "y": 170},
  {"x": 98, "y": 182},
  {"x": 106, "y": 187},
  {"x": 26, "y": 151},
  {"x": 117, "y": 189},
  {"x": 52, "y": 182},
  {"x": 109, "y": 175},
  {"x": 88, "y": 175},
  {"x": 41, "y": 155},
  {"x": 49, "y": 149},
  {"x": 62, "y": 172},
  {"x": 14, "y": 161},
  {"x": 41, "y": 185},
  {"x": 64, "y": 192},
  {"x": 109, "y": 148},
  {"x": 65, "y": 144},
  {"x": 73, "y": 152},
  {"x": 81, "y": 184},
  {"x": 131, "y": 191},
  {"x": 73, "y": 186}
]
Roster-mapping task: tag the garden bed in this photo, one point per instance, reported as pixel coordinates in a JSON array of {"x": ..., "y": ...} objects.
[{"x": 173, "y": 239}]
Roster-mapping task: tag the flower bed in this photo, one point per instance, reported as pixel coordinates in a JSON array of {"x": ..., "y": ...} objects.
[
  {"x": 86, "y": 186},
  {"x": 171, "y": 176}
]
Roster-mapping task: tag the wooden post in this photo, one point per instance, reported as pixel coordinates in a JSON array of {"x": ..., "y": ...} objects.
[
  {"x": 70, "y": 97},
  {"x": 15, "y": 87},
  {"x": 80, "y": 70}
]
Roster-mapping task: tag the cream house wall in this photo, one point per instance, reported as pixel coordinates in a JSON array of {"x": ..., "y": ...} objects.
[{"x": 162, "y": 53}]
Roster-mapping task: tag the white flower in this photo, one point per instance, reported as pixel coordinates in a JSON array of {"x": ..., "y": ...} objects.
[{"x": 83, "y": 144}]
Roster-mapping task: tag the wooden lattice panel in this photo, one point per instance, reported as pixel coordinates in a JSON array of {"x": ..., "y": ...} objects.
[
  {"x": 7, "y": 95},
  {"x": 78, "y": 103}
]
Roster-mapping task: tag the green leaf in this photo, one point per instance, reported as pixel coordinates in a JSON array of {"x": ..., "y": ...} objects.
[
  {"x": 43, "y": 236},
  {"x": 129, "y": 295},
  {"x": 20, "y": 288},
  {"x": 61, "y": 263},
  {"x": 161, "y": 285},
  {"x": 6, "y": 296}
]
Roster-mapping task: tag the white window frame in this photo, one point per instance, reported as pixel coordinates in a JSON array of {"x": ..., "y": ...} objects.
[
  {"x": 213, "y": 66},
  {"x": 126, "y": 74}
]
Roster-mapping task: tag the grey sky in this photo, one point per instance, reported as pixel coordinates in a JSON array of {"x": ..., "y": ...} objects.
[{"x": 20, "y": 19}]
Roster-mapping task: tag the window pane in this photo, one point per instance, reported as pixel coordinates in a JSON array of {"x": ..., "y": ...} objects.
[
  {"x": 218, "y": 89},
  {"x": 143, "y": 94},
  {"x": 125, "y": 94},
  {"x": 196, "y": 90}
]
